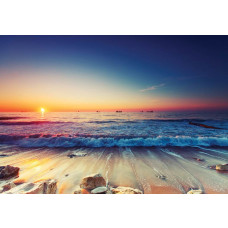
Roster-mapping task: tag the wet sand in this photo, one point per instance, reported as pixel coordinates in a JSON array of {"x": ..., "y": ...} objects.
[{"x": 153, "y": 170}]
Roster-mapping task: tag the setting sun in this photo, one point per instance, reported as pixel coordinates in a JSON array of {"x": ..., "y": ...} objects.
[{"x": 42, "y": 110}]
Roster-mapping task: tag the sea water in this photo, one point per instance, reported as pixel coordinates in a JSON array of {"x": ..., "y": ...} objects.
[{"x": 109, "y": 129}]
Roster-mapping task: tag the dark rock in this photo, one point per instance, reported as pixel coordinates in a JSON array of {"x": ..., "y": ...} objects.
[
  {"x": 162, "y": 177},
  {"x": 3, "y": 155},
  {"x": 8, "y": 171},
  {"x": 203, "y": 125}
]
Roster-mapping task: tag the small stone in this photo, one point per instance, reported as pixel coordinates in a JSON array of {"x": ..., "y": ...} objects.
[
  {"x": 77, "y": 154},
  {"x": 222, "y": 167},
  {"x": 3, "y": 155},
  {"x": 8, "y": 171},
  {"x": 93, "y": 181},
  {"x": 195, "y": 191},
  {"x": 125, "y": 190},
  {"x": 161, "y": 177},
  {"x": 99, "y": 190}
]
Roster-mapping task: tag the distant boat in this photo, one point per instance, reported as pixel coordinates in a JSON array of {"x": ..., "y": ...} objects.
[
  {"x": 150, "y": 111},
  {"x": 98, "y": 111},
  {"x": 118, "y": 111}
]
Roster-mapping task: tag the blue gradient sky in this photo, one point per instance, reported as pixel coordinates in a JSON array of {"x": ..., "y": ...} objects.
[{"x": 110, "y": 72}]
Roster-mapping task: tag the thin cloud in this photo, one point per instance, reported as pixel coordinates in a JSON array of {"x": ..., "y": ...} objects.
[{"x": 152, "y": 87}]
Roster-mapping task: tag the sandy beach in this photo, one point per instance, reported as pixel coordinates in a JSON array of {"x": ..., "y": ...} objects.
[{"x": 153, "y": 170}]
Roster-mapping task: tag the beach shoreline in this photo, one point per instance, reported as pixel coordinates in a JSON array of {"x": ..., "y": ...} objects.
[{"x": 152, "y": 170}]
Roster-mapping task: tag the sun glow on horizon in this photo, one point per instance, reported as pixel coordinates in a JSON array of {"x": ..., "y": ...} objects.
[{"x": 42, "y": 110}]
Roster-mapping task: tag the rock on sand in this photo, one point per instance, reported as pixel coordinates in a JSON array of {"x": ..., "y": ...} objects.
[
  {"x": 8, "y": 171},
  {"x": 125, "y": 190},
  {"x": 41, "y": 187},
  {"x": 93, "y": 181},
  {"x": 77, "y": 154},
  {"x": 99, "y": 190},
  {"x": 222, "y": 167}
]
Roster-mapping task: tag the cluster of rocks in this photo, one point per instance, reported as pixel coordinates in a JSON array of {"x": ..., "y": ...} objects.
[
  {"x": 92, "y": 184},
  {"x": 8, "y": 186},
  {"x": 96, "y": 184}
]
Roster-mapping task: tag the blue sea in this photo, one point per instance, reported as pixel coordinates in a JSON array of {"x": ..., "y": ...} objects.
[{"x": 111, "y": 129}]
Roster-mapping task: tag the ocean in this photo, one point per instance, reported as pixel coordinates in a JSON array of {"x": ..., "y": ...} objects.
[
  {"x": 110, "y": 129},
  {"x": 155, "y": 152}
]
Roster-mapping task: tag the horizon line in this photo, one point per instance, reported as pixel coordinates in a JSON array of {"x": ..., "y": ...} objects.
[{"x": 123, "y": 110}]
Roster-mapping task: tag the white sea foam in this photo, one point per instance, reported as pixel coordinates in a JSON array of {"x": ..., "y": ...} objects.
[{"x": 120, "y": 142}]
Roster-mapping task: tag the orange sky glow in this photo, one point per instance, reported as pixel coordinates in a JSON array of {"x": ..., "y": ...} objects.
[{"x": 28, "y": 91}]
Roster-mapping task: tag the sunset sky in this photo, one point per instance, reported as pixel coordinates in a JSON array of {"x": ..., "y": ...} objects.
[{"x": 131, "y": 73}]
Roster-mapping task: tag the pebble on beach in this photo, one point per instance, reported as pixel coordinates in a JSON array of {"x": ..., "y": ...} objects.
[
  {"x": 99, "y": 190},
  {"x": 77, "y": 154}
]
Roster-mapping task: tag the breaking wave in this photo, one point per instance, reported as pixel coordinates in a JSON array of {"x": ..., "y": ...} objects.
[{"x": 66, "y": 142}]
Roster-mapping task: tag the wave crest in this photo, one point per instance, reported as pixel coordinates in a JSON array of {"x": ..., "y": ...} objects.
[{"x": 63, "y": 141}]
